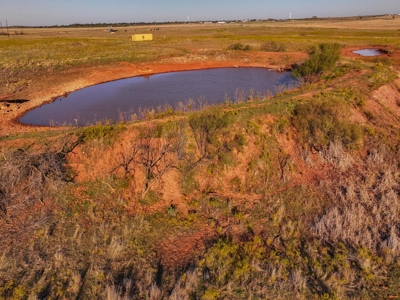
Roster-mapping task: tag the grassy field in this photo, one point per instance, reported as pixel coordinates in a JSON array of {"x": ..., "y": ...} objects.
[
  {"x": 295, "y": 196},
  {"x": 69, "y": 46},
  {"x": 37, "y": 51}
]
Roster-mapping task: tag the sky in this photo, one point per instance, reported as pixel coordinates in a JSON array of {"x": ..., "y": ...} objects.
[{"x": 65, "y": 12}]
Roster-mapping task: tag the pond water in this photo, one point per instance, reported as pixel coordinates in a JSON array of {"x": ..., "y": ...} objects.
[
  {"x": 121, "y": 99},
  {"x": 368, "y": 52}
]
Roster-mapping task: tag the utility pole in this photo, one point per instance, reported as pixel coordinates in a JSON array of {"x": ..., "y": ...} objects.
[
  {"x": 1, "y": 25},
  {"x": 7, "y": 29}
]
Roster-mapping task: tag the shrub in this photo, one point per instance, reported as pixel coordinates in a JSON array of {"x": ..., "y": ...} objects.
[
  {"x": 239, "y": 140},
  {"x": 188, "y": 182},
  {"x": 236, "y": 184},
  {"x": 273, "y": 47},
  {"x": 322, "y": 121},
  {"x": 281, "y": 125},
  {"x": 107, "y": 133},
  {"x": 239, "y": 46},
  {"x": 206, "y": 125},
  {"x": 27, "y": 176},
  {"x": 322, "y": 58}
]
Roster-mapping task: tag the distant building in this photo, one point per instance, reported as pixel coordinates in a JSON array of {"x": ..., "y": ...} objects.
[{"x": 142, "y": 37}]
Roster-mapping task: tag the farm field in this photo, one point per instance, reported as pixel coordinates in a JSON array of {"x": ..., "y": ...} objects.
[{"x": 295, "y": 196}]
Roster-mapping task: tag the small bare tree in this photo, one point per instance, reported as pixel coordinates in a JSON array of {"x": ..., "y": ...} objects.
[
  {"x": 28, "y": 175},
  {"x": 160, "y": 148},
  {"x": 126, "y": 159},
  {"x": 157, "y": 149}
]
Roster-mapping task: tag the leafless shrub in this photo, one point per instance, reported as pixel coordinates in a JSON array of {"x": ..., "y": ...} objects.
[
  {"x": 155, "y": 292},
  {"x": 240, "y": 96},
  {"x": 156, "y": 150},
  {"x": 298, "y": 280},
  {"x": 393, "y": 241},
  {"x": 183, "y": 288},
  {"x": 120, "y": 292},
  {"x": 376, "y": 156},
  {"x": 125, "y": 159},
  {"x": 27, "y": 176},
  {"x": 192, "y": 105},
  {"x": 117, "y": 245},
  {"x": 159, "y": 150},
  {"x": 336, "y": 155},
  {"x": 9, "y": 82},
  {"x": 294, "y": 285}
]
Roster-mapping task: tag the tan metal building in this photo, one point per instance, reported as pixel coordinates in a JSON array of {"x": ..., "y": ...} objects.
[{"x": 142, "y": 37}]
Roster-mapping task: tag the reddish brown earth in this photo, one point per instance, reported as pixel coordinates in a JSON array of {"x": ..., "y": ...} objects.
[{"x": 179, "y": 249}]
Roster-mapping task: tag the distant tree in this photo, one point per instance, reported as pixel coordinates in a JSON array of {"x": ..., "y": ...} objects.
[{"x": 322, "y": 58}]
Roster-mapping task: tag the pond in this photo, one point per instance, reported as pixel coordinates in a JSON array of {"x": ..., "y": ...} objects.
[
  {"x": 368, "y": 52},
  {"x": 132, "y": 98}
]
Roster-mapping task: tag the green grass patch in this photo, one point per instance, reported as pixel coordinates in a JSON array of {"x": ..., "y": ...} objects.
[{"x": 323, "y": 120}]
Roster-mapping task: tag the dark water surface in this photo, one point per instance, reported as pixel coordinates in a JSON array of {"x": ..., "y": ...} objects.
[
  {"x": 121, "y": 99},
  {"x": 368, "y": 52}
]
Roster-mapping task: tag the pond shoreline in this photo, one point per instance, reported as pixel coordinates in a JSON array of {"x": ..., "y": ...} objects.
[
  {"x": 46, "y": 88},
  {"x": 119, "y": 100},
  {"x": 82, "y": 77}
]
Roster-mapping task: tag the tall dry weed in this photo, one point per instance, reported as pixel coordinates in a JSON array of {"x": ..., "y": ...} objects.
[
  {"x": 185, "y": 286},
  {"x": 366, "y": 209},
  {"x": 336, "y": 155}
]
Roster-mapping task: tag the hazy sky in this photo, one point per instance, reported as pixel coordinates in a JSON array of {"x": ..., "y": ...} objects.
[{"x": 64, "y": 12}]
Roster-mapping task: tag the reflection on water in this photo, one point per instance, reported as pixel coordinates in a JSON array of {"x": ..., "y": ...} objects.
[
  {"x": 122, "y": 99},
  {"x": 368, "y": 52}
]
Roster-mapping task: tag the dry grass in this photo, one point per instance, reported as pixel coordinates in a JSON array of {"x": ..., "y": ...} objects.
[
  {"x": 59, "y": 48},
  {"x": 367, "y": 208}
]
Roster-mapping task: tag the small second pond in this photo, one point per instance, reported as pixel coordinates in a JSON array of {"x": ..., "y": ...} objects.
[
  {"x": 368, "y": 52},
  {"x": 121, "y": 99}
]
